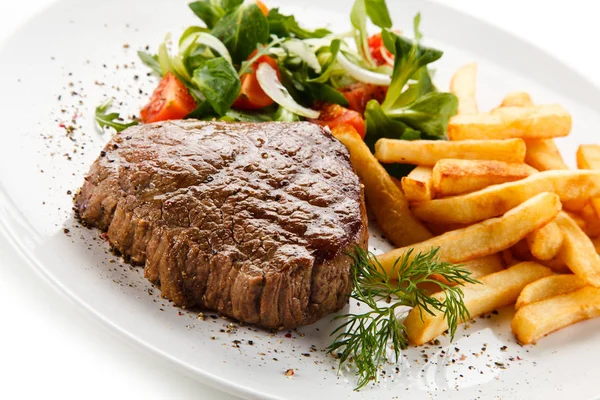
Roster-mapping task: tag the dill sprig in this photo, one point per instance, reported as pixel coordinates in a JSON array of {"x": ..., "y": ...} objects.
[{"x": 364, "y": 338}]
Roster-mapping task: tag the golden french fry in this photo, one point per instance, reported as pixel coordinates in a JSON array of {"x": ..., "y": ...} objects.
[
  {"x": 438, "y": 229},
  {"x": 596, "y": 243},
  {"x": 452, "y": 176},
  {"x": 575, "y": 205},
  {"x": 486, "y": 237},
  {"x": 517, "y": 99},
  {"x": 496, "y": 200},
  {"x": 588, "y": 157},
  {"x": 388, "y": 203},
  {"x": 578, "y": 251},
  {"x": 538, "y": 319},
  {"x": 592, "y": 222},
  {"x": 578, "y": 220},
  {"x": 495, "y": 291},
  {"x": 543, "y": 155},
  {"x": 479, "y": 267},
  {"x": 417, "y": 185},
  {"x": 509, "y": 259},
  {"x": 462, "y": 85},
  {"x": 537, "y": 122},
  {"x": 429, "y": 152},
  {"x": 545, "y": 242},
  {"x": 549, "y": 286}
]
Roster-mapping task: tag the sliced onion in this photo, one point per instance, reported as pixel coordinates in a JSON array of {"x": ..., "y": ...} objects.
[
  {"x": 387, "y": 56},
  {"x": 361, "y": 74},
  {"x": 269, "y": 83},
  {"x": 301, "y": 49},
  {"x": 208, "y": 40}
]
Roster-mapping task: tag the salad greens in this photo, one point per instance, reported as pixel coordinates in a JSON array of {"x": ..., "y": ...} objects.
[{"x": 313, "y": 68}]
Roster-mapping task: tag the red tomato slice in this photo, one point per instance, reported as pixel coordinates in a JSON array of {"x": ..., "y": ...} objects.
[
  {"x": 263, "y": 8},
  {"x": 251, "y": 96},
  {"x": 333, "y": 115},
  {"x": 359, "y": 94},
  {"x": 376, "y": 46},
  {"x": 170, "y": 100}
]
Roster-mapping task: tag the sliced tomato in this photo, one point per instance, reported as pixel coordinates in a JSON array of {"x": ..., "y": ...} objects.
[
  {"x": 359, "y": 94},
  {"x": 170, "y": 100},
  {"x": 263, "y": 8},
  {"x": 333, "y": 115},
  {"x": 376, "y": 47},
  {"x": 251, "y": 96}
]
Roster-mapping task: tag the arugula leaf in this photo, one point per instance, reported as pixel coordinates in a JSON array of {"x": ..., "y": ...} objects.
[
  {"x": 111, "y": 120},
  {"x": 247, "y": 116},
  {"x": 329, "y": 65},
  {"x": 287, "y": 26},
  {"x": 284, "y": 115},
  {"x": 326, "y": 93},
  {"x": 150, "y": 61},
  {"x": 241, "y": 30},
  {"x": 416, "y": 112},
  {"x": 219, "y": 84},
  {"x": 409, "y": 58},
  {"x": 377, "y": 12},
  {"x": 211, "y": 11},
  {"x": 429, "y": 114}
]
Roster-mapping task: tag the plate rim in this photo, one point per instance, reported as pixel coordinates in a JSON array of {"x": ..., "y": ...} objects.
[{"x": 14, "y": 241}]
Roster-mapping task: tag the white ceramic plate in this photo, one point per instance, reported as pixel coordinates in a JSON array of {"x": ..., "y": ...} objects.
[{"x": 63, "y": 63}]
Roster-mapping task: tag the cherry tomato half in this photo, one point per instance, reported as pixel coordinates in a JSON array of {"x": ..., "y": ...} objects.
[
  {"x": 170, "y": 100},
  {"x": 333, "y": 115}
]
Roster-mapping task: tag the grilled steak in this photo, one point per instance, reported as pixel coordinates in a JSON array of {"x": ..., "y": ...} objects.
[{"x": 250, "y": 220}]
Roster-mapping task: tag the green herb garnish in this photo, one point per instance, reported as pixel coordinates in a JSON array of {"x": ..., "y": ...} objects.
[
  {"x": 364, "y": 338},
  {"x": 111, "y": 120}
]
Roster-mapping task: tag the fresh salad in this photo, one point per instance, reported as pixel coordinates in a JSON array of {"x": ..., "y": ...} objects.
[{"x": 249, "y": 63}]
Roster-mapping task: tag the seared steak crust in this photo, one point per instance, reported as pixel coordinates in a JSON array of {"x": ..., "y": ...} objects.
[{"x": 250, "y": 220}]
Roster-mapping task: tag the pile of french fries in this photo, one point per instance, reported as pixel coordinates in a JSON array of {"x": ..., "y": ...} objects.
[{"x": 498, "y": 199}]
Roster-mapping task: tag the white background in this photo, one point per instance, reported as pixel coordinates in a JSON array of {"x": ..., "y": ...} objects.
[{"x": 50, "y": 349}]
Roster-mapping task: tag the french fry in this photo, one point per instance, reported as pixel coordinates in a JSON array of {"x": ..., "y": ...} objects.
[
  {"x": 592, "y": 222},
  {"x": 438, "y": 229},
  {"x": 517, "y": 99},
  {"x": 417, "y": 185},
  {"x": 452, "y": 176},
  {"x": 496, "y": 200},
  {"x": 479, "y": 267},
  {"x": 462, "y": 85},
  {"x": 557, "y": 265},
  {"x": 388, "y": 203},
  {"x": 509, "y": 259},
  {"x": 578, "y": 220},
  {"x": 596, "y": 243},
  {"x": 484, "y": 238},
  {"x": 549, "y": 286},
  {"x": 578, "y": 251},
  {"x": 495, "y": 291},
  {"x": 575, "y": 205},
  {"x": 545, "y": 242},
  {"x": 588, "y": 157},
  {"x": 429, "y": 152},
  {"x": 536, "y": 320},
  {"x": 543, "y": 155},
  {"x": 537, "y": 122}
]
